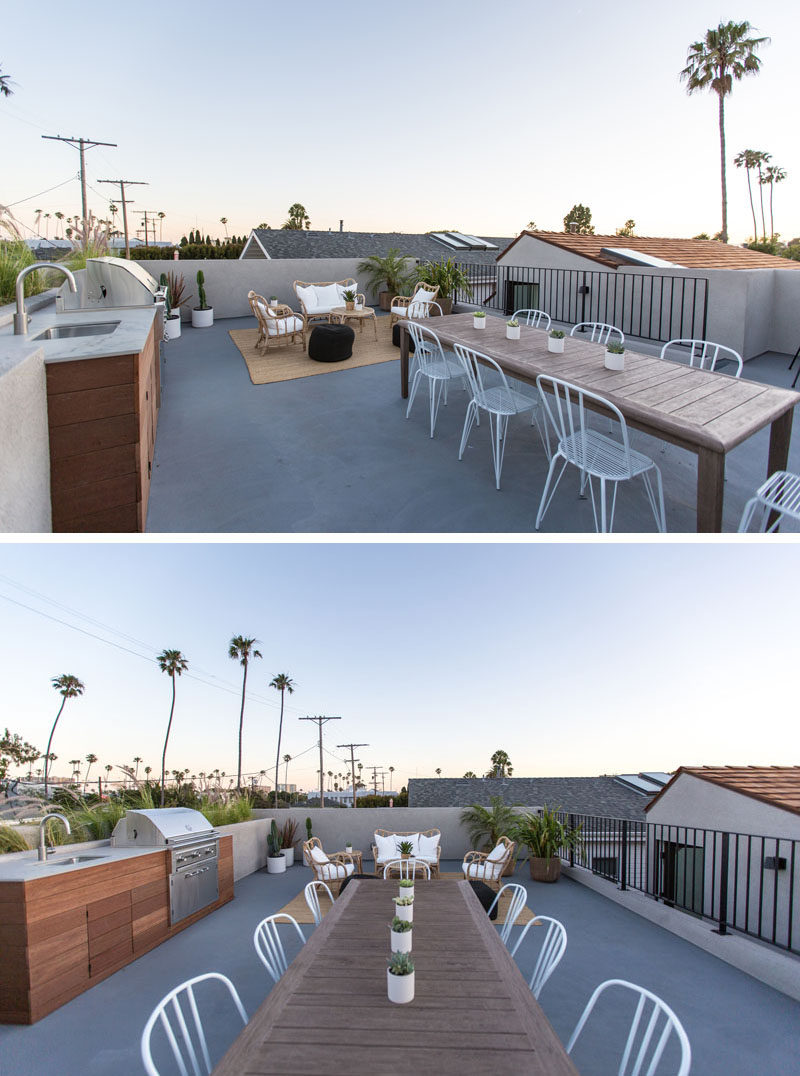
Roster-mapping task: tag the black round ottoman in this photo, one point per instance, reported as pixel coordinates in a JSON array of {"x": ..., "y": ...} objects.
[
  {"x": 396, "y": 337},
  {"x": 331, "y": 343}
]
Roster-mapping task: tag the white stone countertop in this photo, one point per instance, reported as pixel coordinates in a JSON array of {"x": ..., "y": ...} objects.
[
  {"x": 25, "y": 866},
  {"x": 128, "y": 338}
]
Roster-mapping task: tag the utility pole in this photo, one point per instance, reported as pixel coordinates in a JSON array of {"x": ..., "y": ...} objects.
[
  {"x": 375, "y": 779},
  {"x": 123, "y": 183},
  {"x": 353, "y": 760},
  {"x": 320, "y": 722},
  {"x": 81, "y": 144},
  {"x": 153, "y": 213}
]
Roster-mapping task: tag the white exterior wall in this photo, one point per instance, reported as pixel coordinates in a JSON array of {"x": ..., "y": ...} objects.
[
  {"x": 692, "y": 801},
  {"x": 25, "y": 455}
]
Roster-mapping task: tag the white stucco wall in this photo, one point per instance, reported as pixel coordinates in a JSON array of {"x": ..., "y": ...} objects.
[
  {"x": 24, "y": 444},
  {"x": 692, "y": 801}
]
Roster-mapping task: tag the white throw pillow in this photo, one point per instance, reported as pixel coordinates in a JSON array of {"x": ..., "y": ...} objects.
[
  {"x": 428, "y": 847},
  {"x": 328, "y": 297},
  {"x": 387, "y": 848},
  {"x": 308, "y": 296},
  {"x": 423, "y": 296},
  {"x": 318, "y": 855},
  {"x": 497, "y": 853}
]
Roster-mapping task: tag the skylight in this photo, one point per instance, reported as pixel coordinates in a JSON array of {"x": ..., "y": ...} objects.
[
  {"x": 636, "y": 257},
  {"x": 462, "y": 241}
]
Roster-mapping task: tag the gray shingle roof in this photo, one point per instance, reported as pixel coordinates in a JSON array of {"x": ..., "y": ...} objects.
[
  {"x": 601, "y": 796},
  {"x": 280, "y": 243}
]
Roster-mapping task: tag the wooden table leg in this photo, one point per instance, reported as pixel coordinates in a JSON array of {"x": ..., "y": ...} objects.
[
  {"x": 710, "y": 490},
  {"x": 403, "y": 361},
  {"x": 780, "y": 435}
]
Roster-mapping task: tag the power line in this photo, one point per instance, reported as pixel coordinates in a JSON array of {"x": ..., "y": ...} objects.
[
  {"x": 123, "y": 183},
  {"x": 81, "y": 144},
  {"x": 30, "y": 197}
]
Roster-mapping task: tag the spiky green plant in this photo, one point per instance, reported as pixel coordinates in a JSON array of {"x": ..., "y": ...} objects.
[
  {"x": 201, "y": 290},
  {"x": 486, "y": 825},
  {"x": 11, "y": 840},
  {"x": 401, "y": 964},
  {"x": 406, "y": 883},
  {"x": 406, "y": 848},
  {"x": 403, "y": 902},
  {"x": 401, "y": 926},
  {"x": 545, "y": 834}
]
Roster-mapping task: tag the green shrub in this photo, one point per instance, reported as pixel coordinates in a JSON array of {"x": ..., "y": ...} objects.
[
  {"x": 11, "y": 840},
  {"x": 14, "y": 256}
]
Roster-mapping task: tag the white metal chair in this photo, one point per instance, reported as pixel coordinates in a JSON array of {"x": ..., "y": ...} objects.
[
  {"x": 593, "y": 453},
  {"x": 269, "y": 946},
  {"x": 518, "y": 898},
  {"x": 779, "y": 494},
  {"x": 553, "y": 948},
  {"x": 702, "y": 353},
  {"x": 533, "y": 318},
  {"x": 431, "y": 361},
  {"x": 178, "y": 1015},
  {"x": 645, "y": 1044},
  {"x": 406, "y": 868},
  {"x": 312, "y": 899},
  {"x": 491, "y": 392},
  {"x": 599, "y": 331}
]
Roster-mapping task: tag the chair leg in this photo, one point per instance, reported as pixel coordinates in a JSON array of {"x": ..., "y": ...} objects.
[
  {"x": 498, "y": 425},
  {"x": 435, "y": 394},
  {"x": 656, "y": 502},
  {"x": 544, "y": 504},
  {"x": 469, "y": 419},
  {"x": 414, "y": 386}
]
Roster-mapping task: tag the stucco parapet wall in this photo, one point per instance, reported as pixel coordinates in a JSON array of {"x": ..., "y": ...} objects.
[{"x": 249, "y": 845}]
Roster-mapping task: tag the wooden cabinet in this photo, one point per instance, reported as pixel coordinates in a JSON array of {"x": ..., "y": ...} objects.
[
  {"x": 102, "y": 417},
  {"x": 61, "y": 934}
]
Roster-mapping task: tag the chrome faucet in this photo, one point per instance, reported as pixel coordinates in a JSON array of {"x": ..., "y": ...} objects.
[
  {"x": 21, "y": 318},
  {"x": 43, "y": 849}
]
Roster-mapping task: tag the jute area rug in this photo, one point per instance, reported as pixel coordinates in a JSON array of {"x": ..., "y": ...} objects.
[
  {"x": 286, "y": 362},
  {"x": 299, "y": 910}
]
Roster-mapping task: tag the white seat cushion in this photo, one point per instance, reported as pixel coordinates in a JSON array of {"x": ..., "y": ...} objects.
[
  {"x": 387, "y": 848},
  {"x": 336, "y": 871},
  {"x": 484, "y": 871},
  {"x": 401, "y": 310},
  {"x": 428, "y": 848},
  {"x": 284, "y": 325}
]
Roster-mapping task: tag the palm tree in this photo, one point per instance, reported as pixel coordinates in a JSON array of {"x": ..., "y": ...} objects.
[
  {"x": 282, "y": 683},
  {"x": 47, "y": 225},
  {"x": 747, "y": 160},
  {"x": 241, "y": 649},
  {"x": 161, "y": 216},
  {"x": 287, "y": 759},
  {"x": 75, "y": 763},
  {"x": 762, "y": 159},
  {"x": 91, "y": 759},
  {"x": 772, "y": 175},
  {"x": 147, "y": 771},
  {"x": 68, "y": 687},
  {"x": 486, "y": 825},
  {"x": 224, "y": 222},
  {"x": 173, "y": 663},
  {"x": 37, "y": 219},
  {"x": 438, "y": 772},
  {"x": 725, "y": 54},
  {"x": 108, "y": 768},
  {"x": 59, "y": 217},
  {"x": 391, "y": 776},
  {"x": 137, "y": 760},
  {"x": 5, "y": 85}
]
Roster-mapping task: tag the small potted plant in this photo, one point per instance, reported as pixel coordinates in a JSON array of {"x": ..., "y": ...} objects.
[
  {"x": 512, "y": 329},
  {"x": 400, "y": 978},
  {"x": 615, "y": 357},
  {"x": 406, "y": 848},
  {"x": 555, "y": 341},
  {"x": 273, "y": 301},
  {"x": 202, "y": 315},
  {"x": 350, "y": 299},
  {"x": 276, "y": 860},
  {"x": 479, "y": 319},
  {"x": 405, "y": 908},
  {"x": 406, "y": 886},
  {"x": 176, "y": 287},
  {"x": 288, "y": 837},
  {"x": 348, "y": 846},
  {"x": 400, "y": 935}
]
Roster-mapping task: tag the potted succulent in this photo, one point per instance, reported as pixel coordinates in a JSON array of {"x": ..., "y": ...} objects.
[
  {"x": 449, "y": 277},
  {"x": 400, "y": 978},
  {"x": 288, "y": 837},
  {"x": 202, "y": 315},
  {"x": 350, "y": 299},
  {"x": 406, "y": 848},
  {"x": 555, "y": 341},
  {"x": 400, "y": 935},
  {"x": 545, "y": 835},
  {"x": 406, "y": 886},
  {"x": 276, "y": 860},
  {"x": 391, "y": 271},
  {"x": 615, "y": 357},
  {"x": 512, "y": 329},
  {"x": 479, "y": 319},
  {"x": 176, "y": 289},
  {"x": 273, "y": 301},
  {"x": 405, "y": 908},
  {"x": 348, "y": 846}
]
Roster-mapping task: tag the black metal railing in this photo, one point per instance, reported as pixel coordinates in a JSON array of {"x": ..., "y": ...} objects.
[
  {"x": 739, "y": 881},
  {"x": 650, "y": 307}
]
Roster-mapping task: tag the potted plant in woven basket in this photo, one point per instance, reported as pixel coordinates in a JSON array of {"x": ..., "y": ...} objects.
[
  {"x": 203, "y": 314},
  {"x": 392, "y": 270},
  {"x": 555, "y": 342},
  {"x": 400, "y": 939},
  {"x": 546, "y": 836},
  {"x": 276, "y": 860},
  {"x": 350, "y": 299},
  {"x": 406, "y": 848},
  {"x": 400, "y": 979}
]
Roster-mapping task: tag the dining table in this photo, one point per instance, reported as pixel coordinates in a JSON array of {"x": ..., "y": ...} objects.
[
  {"x": 472, "y": 1011},
  {"x": 703, "y": 411}
]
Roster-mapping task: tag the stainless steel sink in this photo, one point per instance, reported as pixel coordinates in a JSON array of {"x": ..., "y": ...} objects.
[
  {"x": 69, "y": 861},
  {"x": 89, "y": 328}
]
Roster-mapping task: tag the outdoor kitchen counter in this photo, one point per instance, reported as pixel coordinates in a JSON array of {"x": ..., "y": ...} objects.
[
  {"x": 129, "y": 337},
  {"x": 64, "y": 929}
]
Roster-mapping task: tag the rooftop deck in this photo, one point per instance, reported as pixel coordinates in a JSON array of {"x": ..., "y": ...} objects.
[
  {"x": 737, "y": 1025},
  {"x": 336, "y": 454}
]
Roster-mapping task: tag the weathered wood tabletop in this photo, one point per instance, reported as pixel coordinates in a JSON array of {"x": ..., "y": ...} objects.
[
  {"x": 472, "y": 1013},
  {"x": 705, "y": 412}
]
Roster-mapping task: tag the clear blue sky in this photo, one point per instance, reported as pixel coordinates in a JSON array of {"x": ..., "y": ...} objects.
[
  {"x": 576, "y": 659},
  {"x": 452, "y": 114}
]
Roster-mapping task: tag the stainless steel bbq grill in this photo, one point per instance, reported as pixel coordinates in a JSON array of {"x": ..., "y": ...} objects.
[{"x": 194, "y": 853}]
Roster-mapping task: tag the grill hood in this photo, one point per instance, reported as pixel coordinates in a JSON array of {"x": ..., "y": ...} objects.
[{"x": 161, "y": 827}]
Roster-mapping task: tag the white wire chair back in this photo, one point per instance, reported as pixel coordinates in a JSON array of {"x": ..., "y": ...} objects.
[
  {"x": 599, "y": 331},
  {"x": 312, "y": 899},
  {"x": 407, "y": 868},
  {"x": 779, "y": 494},
  {"x": 650, "y": 1031},
  {"x": 269, "y": 946},
  {"x": 423, "y": 309},
  {"x": 518, "y": 898},
  {"x": 488, "y": 384},
  {"x": 564, "y": 407},
  {"x": 428, "y": 351},
  {"x": 533, "y": 318},
  {"x": 704, "y": 354},
  {"x": 552, "y": 950},
  {"x": 179, "y": 1017}
]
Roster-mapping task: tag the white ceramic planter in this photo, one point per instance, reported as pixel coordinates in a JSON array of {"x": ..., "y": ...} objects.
[
  {"x": 359, "y": 306},
  {"x": 512, "y": 332},
  {"x": 614, "y": 362},
  {"x": 405, "y": 911},
  {"x": 203, "y": 319},
  {"x": 408, "y": 891},
  {"x": 348, "y": 848},
  {"x": 276, "y": 864},
  {"x": 401, "y": 943},
  {"x": 288, "y": 855},
  {"x": 478, "y": 323},
  {"x": 173, "y": 330},
  {"x": 555, "y": 344},
  {"x": 400, "y": 988}
]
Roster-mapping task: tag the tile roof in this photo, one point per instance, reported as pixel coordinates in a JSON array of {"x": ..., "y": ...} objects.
[
  {"x": 603, "y": 796},
  {"x": 280, "y": 243},
  {"x": 689, "y": 253},
  {"x": 779, "y": 786}
]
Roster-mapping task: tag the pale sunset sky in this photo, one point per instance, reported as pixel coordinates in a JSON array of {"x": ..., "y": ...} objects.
[
  {"x": 454, "y": 114},
  {"x": 576, "y": 659}
]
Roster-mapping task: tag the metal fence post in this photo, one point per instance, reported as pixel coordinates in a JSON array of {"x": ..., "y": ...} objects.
[
  {"x": 623, "y": 866},
  {"x": 572, "y": 847},
  {"x": 723, "y": 885}
]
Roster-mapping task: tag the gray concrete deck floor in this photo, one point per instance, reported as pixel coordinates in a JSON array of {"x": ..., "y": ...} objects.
[
  {"x": 736, "y": 1025},
  {"x": 335, "y": 454}
]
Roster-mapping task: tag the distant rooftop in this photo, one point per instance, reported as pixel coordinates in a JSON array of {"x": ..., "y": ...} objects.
[
  {"x": 426, "y": 246},
  {"x": 779, "y": 786},
  {"x": 615, "y": 250}
]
